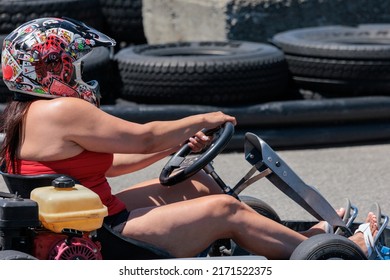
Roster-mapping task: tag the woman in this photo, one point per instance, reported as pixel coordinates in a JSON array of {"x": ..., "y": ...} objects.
[{"x": 50, "y": 128}]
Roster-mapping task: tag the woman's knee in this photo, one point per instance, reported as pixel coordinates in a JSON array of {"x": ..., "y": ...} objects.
[{"x": 225, "y": 205}]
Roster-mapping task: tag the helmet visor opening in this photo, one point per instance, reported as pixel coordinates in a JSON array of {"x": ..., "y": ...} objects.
[{"x": 86, "y": 88}]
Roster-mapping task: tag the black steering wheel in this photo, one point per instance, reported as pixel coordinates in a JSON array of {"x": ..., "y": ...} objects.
[{"x": 189, "y": 167}]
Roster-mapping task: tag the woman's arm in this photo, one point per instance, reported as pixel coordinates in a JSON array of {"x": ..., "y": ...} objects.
[
  {"x": 128, "y": 163},
  {"x": 79, "y": 122}
]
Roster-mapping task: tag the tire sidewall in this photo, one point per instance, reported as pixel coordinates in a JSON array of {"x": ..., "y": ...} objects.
[{"x": 327, "y": 246}]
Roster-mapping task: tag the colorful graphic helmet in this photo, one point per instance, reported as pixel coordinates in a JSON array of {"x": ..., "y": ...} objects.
[{"x": 44, "y": 57}]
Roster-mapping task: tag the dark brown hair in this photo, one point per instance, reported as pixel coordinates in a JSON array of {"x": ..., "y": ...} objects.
[{"x": 12, "y": 120}]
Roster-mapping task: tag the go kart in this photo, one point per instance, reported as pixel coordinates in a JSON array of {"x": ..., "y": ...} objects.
[{"x": 24, "y": 236}]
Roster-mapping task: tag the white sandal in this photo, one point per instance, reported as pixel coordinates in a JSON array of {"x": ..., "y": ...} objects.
[
  {"x": 368, "y": 239},
  {"x": 365, "y": 229}
]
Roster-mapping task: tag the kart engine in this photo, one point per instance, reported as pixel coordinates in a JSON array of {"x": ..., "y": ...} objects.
[
  {"x": 21, "y": 230},
  {"x": 71, "y": 245}
]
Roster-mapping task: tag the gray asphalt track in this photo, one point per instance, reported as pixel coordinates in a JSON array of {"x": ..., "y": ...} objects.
[{"x": 360, "y": 173}]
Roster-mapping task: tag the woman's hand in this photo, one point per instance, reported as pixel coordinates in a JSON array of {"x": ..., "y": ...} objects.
[
  {"x": 215, "y": 119},
  {"x": 199, "y": 141}
]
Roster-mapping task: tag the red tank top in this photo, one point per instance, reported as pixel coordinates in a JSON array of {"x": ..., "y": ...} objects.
[{"x": 88, "y": 168}]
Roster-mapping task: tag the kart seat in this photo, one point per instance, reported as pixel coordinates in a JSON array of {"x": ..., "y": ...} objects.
[
  {"x": 115, "y": 246},
  {"x": 22, "y": 185}
]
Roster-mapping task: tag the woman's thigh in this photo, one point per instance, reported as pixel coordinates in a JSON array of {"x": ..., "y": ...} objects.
[
  {"x": 152, "y": 193},
  {"x": 184, "y": 228}
]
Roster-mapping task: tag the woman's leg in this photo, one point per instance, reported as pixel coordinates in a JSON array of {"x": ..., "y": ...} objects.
[
  {"x": 152, "y": 193},
  {"x": 186, "y": 228},
  {"x": 186, "y": 218}
]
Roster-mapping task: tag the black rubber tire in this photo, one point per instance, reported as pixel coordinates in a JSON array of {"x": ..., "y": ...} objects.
[
  {"x": 361, "y": 42},
  {"x": 15, "y": 13},
  {"x": 326, "y": 247},
  {"x": 339, "y": 60},
  {"x": 208, "y": 73},
  {"x": 124, "y": 21},
  {"x": 340, "y": 69},
  {"x": 341, "y": 77},
  {"x": 15, "y": 255},
  {"x": 328, "y": 88},
  {"x": 269, "y": 115}
]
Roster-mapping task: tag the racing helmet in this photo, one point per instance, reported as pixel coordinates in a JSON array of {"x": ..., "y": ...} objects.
[{"x": 44, "y": 58}]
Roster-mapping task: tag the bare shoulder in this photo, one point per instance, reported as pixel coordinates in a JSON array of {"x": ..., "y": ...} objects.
[
  {"x": 64, "y": 103},
  {"x": 62, "y": 108}
]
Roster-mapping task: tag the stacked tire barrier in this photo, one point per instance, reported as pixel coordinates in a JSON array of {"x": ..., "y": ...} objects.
[
  {"x": 124, "y": 20},
  {"x": 203, "y": 73},
  {"x": 325, "y": 85},
  {"x": 344, "y": 69},
  {"x": 339, "y": 60}
]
